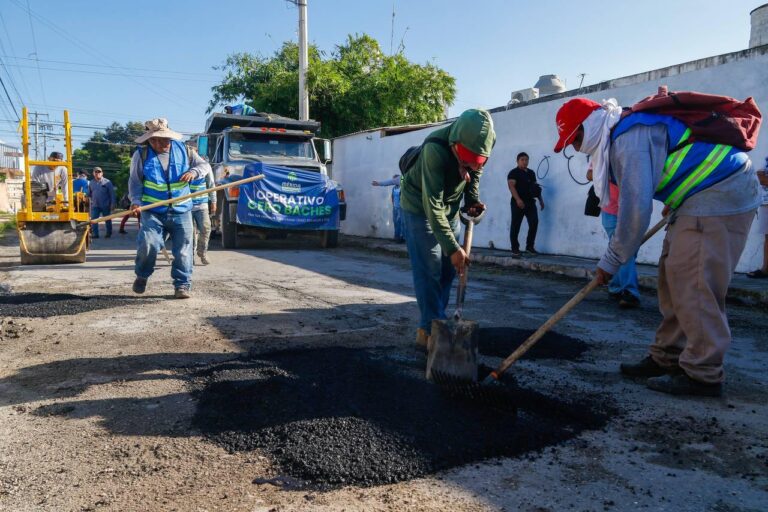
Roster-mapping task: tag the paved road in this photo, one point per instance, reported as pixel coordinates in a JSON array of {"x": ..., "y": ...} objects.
[{"x": 95, "y": 412}]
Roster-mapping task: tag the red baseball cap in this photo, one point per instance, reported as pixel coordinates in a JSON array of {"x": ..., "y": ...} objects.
[
  {"x": 569, "y": 118},
  {"x": 468, "y": 156}
]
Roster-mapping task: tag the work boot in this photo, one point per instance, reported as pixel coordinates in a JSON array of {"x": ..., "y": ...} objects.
[
  {"x": 628, "y": 300},
  {"x": 422, "y": 339},
  {"x": 647, "y": 368},
  {"x": 682, "y": 384},
  {"x": 182, "y": 292},
  {"x": 140, "y": 285},
  {"x": 204, "y": 259}
]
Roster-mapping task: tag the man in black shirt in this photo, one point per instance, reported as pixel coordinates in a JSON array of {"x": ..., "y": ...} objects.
[{"x": 522, "y": 184}]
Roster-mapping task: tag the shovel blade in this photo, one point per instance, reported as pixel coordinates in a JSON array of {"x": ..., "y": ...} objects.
[{"x": 453, "y": 349}]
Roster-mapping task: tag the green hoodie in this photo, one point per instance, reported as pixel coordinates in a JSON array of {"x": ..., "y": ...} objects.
[{"x": 433, "y": 186}]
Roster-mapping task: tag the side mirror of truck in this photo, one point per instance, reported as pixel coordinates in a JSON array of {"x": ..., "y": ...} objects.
[
  {"x": 324, "y": 150},
  {"x": 202, "y": 145}
]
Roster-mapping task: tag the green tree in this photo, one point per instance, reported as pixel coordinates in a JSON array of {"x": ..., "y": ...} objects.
[
  {"x": 111, "y": 150},
  {"x": 356, "y": 88}
]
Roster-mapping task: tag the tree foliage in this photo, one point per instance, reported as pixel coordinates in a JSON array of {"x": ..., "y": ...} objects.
[
  {"x": 111, "y": 150},
  {"x": 358, "y": 87}
]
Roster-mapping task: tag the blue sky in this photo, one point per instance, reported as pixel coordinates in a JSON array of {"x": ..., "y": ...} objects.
[{"x": 117, "y": 61}]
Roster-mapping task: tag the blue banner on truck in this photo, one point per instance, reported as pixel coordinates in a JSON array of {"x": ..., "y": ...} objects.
[{"x": 288, "y": 199}]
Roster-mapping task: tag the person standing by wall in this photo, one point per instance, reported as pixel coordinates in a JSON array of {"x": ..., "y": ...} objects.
[
  {"x": 447, "y": 170},
  {"x": 202, "y": 208},
  {"x": 623, "y": 287},
  {"x": 397, "y": 213},
  {"x": 525, "y": 191},
  {"x": 101, "y": 193},
  {"x": 762, "y": 220}
]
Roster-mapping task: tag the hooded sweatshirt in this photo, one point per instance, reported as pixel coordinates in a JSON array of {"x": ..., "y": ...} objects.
[{"x": 433, "y": 186}]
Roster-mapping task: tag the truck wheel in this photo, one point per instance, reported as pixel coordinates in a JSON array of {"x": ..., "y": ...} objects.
[
  {"x": 330, "y": 239},
  {"x": 228, "y": 229}
]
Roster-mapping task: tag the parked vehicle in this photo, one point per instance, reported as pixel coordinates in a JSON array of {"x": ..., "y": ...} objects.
[{"x": 296, "y": 180}]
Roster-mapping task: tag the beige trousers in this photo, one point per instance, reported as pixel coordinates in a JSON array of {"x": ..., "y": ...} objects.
[{"x": 696, "y": 265}]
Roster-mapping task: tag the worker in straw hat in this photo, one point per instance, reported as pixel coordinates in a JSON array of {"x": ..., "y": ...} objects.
[{"x": 162, "y": 168}]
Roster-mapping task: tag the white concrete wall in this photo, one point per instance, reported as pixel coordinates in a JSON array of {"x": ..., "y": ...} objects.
[{"x": 563, "y": 229}]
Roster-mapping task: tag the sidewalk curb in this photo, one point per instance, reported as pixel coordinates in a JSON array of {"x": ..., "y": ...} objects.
[{"x": 583, "y": 269}]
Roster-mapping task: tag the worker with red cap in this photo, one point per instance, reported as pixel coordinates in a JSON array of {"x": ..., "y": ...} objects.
[
  {"x": 712, "y": 194},
  {"x": 447, "y": 169}
]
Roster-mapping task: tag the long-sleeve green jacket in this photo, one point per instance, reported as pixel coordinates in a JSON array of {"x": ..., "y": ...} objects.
[{"x": 433, "y": 186}]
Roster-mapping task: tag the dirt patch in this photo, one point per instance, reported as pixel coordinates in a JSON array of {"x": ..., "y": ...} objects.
[
  {"x": 502, "y": 341},
  {"x": 333, "y": 417},
  {"x": 44, "y": 305}
]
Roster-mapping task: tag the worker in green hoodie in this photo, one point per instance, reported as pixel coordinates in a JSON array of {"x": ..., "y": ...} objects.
[{"x": 448, "y": 168}]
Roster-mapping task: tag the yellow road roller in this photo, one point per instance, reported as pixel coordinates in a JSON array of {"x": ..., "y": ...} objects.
[{"x": 53, "y": 227}]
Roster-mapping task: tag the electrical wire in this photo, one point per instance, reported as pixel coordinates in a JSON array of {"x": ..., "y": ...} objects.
[
  {"x": 13, "y": 51},
  {"x": 171, "y": 96},
  {"x": 21, "y": 66},
  {"x": 34, "y": 47},
  {"x": 126, "y": 68}
]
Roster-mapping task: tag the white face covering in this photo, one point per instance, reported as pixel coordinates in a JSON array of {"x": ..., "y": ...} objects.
[{"x": 597, "y": 144}]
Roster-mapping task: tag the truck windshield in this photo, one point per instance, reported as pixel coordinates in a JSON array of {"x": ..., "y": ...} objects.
[{"x": 254, "y": 146}]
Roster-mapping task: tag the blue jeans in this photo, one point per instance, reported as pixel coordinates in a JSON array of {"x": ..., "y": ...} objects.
[
  {"x": 398, "y": 221},
  {"x": 432, "y": 270},
  {"x": 154, "y": 227},
  {"x": 99, "y": 212},
  {"x": 626, "y": 277}
]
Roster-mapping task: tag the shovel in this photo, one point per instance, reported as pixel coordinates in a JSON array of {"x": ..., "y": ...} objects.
[
  {"x": 462, "y": 380},
  {"x": 453, "y": 342}
]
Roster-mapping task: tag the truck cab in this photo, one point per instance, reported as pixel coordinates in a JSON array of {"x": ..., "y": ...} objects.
[{"x": 231, "y": 142}]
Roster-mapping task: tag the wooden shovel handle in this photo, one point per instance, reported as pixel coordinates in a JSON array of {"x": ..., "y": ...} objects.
[
  {"x": 462, "y": 288},
  {"x": 176, "y": 199},
  {"x": 568, "y": 306}
]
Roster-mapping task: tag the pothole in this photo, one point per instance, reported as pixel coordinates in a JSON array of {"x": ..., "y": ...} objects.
[
  {"x": 337, "y": 416},
  {"x": 44, "y": 305}
]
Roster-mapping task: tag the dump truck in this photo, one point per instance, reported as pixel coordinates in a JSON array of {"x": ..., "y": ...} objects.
[{"x": 297, "y": 194}]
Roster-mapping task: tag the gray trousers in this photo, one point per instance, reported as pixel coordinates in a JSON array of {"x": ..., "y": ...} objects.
[
  {"x": 202, "y": 227},
  {"x": 695, "y": 269}
]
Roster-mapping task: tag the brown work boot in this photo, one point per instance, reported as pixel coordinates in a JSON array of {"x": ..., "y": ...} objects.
[
  {"x": 682, "y": 384},
  {"x": 422, "y": 339},
  {"x": 647, "y": 368}
]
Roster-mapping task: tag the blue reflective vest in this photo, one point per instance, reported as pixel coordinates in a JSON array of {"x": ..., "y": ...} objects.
[
  {"x": 689, "y": 168},
  {"x": 158, "y": 188},
  {"x": 196, "y": 186}
]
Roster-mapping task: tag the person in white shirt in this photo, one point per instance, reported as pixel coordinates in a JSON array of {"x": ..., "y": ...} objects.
[{"x": 55, "y": 176}]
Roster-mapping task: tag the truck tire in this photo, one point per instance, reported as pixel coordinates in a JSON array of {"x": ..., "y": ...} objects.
[
  {"x": 329, "y": 238},
  {"x": 228, "y": 229}
]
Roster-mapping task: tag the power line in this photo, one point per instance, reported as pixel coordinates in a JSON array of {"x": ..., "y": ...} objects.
[
  {"x": 84, "y": 71},
  {"x": 34, "y": 47},
  {"x": 13, "y": 51},
  {"x": 171, "y": 96},
  {"x": 10, "y": 102},
  {"x": 126, "y": 68}
]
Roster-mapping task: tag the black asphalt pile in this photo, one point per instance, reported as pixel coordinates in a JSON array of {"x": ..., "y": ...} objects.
[
  {"x": 336, "y": 416},
  {"x": 44, "y": 305},
  {"x": 502, "y": 341}
]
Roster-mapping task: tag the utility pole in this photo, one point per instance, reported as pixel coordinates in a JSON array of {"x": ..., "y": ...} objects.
[
  {"x": 303, "y": 62},
  {"x": 36, "y": 152}
]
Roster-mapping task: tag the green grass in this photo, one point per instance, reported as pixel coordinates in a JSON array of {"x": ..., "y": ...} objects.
[{"x": 7, "y": 224}]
